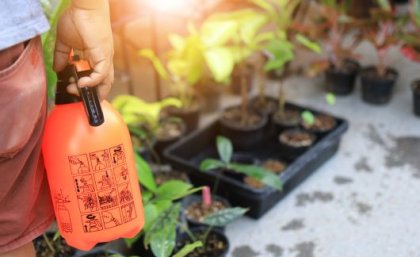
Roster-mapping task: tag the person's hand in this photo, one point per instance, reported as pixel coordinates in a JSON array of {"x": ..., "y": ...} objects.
[{"x": 86, "y": 26}]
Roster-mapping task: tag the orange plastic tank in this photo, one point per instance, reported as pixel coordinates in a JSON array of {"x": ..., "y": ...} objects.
[{"x": 91, "y": 172}]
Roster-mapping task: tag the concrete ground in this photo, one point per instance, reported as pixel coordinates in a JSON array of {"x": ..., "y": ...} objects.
[{"x": 365, "y": 200}]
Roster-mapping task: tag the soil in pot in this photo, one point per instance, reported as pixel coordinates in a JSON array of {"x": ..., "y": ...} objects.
[
  {"x": 52, "y": 248},
  {"x": 377, "y": 89},
  {"x": 415, "y": 86},
  {"x": 168, "y": 132},
  {"x": 215, "y": 244},
  {"x": 197, "y": 211},
  {"x": 190, "y": 116},
  {"x": 164, "y": 176},
  {"x": 341, "y": 80},
  {"x": 243, "y": 134},
  {"x": 265, "y": 106},
  {"x": 271, "y": 165},
  {"x": 322, "y": 124},
  {"x": 289, "y": 119},
  {"x": 295, "y": 142}
]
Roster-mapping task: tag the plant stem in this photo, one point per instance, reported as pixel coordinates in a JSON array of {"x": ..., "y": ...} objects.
[
  {"x": 48, "y": 242},
  {"x": 281, "y": 100},
  {"x": 244, "y": 94},
  {"x": 261, "y": 83}
]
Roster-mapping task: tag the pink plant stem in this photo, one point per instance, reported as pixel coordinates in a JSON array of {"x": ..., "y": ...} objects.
[{"x": 206, "y": 195}]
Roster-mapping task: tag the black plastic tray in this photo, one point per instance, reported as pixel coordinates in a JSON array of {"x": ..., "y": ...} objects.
[{"x": 187, "y": 154}]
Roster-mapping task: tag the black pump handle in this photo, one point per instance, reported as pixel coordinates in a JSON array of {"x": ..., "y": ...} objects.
[{"x": 90, "y": 98}]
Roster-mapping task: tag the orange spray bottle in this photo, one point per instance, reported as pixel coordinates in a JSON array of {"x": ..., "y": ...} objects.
[{"x": 90, "y": 166}]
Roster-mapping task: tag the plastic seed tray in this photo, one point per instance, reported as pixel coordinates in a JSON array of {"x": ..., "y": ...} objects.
[{"x": 187, "y": 154}]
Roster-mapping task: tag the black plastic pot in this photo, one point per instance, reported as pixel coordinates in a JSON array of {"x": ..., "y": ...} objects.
[
  {"x": 415, "y": 86},
  {"x": 188, "y": 153},
  {"x": 292, "y": 120},
  {"x": 162, "y": 143},
  {"x": 292, "y": 150},
  {"x": 190, "y": 116},
  {"x": 99, "y": 252},
  {"x": 192, "y": 199},
  {"x": 243, "y": 137},
  {"x": 377, "y": 90},
  {"x": 138, "y": 249},
  {"x": 185, "y": 239},
  {"x": 341, "y": 82}
]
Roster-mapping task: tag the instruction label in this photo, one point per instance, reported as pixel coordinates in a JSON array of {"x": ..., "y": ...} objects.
[{"x": 102, "y": 184}]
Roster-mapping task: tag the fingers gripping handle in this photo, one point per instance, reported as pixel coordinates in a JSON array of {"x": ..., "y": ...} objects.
[{"x": 90, "y": 99}]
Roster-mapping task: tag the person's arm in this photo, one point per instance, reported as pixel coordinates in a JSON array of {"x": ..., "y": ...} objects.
[{"x": 86, "y": 26}]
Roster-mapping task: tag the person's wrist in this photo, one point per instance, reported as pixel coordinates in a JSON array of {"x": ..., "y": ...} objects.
[{"x": 90, "y": 4}]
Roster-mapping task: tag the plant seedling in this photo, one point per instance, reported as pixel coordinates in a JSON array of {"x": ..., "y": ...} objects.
[{"x": 225, "y": 151}]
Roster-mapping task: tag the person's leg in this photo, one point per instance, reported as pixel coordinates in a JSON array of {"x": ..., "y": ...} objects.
[
  {"x": 26, "y": 209},
  {"x": 23, "y": 251},
  {"x": 10, "y": 55}
]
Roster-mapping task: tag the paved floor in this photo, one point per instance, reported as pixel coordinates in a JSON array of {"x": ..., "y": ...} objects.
[{"x": 363, "y": 202}]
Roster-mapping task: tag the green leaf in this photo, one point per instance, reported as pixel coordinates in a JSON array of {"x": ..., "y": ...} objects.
[
  {"x": 224, "y": 148},
  {"x": 384, "y": 5},
  {"x": 220, "y": 61},
  {"x": 250, "y": 27},
  {"x": 157, "y": 64},
  {"x": 306, "y": 42},
  {"x": 225, "y": 216},
  {"x": 263, "y": 175},
  {"x": 308, "y": 118},
  {"x": 188, "y": 248},
  {"x": 161, "y": 234},
  {"x": 281, "y": 52},
  {"x": 330, "y": 98},
  {"x": 174, "y": 189},
  {"x": 265, "y": 5},
  {"x": 415, "y": 11},
  {"x": 218, "y": 33},
  {"x": 177, "y": 42},
  {"x": 144, "y": 173},
  {"x": 211, "y": 164}
]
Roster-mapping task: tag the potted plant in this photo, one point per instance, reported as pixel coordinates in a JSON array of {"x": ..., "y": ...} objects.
[
  {"x": 378, "y": 81},
  {"x": 214, "y": 242},
  {"x": 225, "y": 165},
  {"x": 146, "y": 125},
  {"x": 411, "y": 48},
  {"x": 280, "y": 51},
  {"x": 197, "y": 207},
  {"x": 330, "y": 26},
  {"x": 184, "y": 67},
  {"x": 51, "y": 244},
  {"x": 161, "y": 212},
  {"x": 241, "y": 124}
]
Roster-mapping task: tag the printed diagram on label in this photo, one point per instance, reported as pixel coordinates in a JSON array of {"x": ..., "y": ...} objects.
[
  {"x": 99, "y": 160},
  {"x": 84, "y": 184},
  {"x": 102, "y": 185},
  {"x": 128, "y": 212},
  {"x": 118, "y": 155},
  {"x": 104, "y": 180},
  {"x": 88, "y": 203},
  {"x": 92, "y": 222},
  {"x": 125, "y": 193},
  {"x": 79, "y": 164},
  {"x": 112, "y": 218},
  {"x": 121, "y": 174},
  {"x": 107, "y": 199},
  {"x": 63, "y": 218}
]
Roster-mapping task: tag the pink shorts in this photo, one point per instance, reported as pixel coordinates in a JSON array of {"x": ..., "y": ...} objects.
[{"x": 25, "y": 205}]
